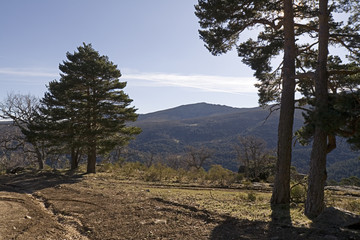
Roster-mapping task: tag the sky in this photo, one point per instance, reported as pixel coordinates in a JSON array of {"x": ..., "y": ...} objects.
[{"x": 155, "y": 45}]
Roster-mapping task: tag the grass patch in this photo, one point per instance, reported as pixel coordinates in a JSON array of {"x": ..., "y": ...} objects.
[{"x": 241, "y": 204}]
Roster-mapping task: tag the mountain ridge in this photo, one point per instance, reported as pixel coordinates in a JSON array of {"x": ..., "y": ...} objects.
[
  {"x": 218, "y": 127},
  {"x": 189, "y": 111}
]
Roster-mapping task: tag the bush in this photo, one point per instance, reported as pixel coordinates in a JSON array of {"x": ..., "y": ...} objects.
[
  {"x": 132, "y": 169},
  {"x": 159, "y": 172},
  {"x": 298, "y": 193},
  {"x": 352, "y": 181},
  {"x": 251, "y": 197},
  {"x": 219, "y": 174},
  {"x": 196, "y": 175}
]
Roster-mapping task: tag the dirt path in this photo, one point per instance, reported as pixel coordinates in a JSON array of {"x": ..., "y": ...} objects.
[
  {"x": 23, "y": 216},
  {"x": 54, "y": 206}
]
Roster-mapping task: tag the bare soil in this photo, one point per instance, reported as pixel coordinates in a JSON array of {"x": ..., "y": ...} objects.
[{"x": 46, "y": 205}]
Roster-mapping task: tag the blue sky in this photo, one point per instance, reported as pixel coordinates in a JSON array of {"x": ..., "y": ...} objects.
[{"x": 154, "y": 43}]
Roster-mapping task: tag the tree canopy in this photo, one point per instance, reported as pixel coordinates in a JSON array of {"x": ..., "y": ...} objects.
[
  {"x": 294, "y": 29},
  {"x": 87, "y": 109}
]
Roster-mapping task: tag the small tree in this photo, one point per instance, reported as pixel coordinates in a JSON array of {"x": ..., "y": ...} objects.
[
  {"x": 87, "y": 107},
  {"x": 23, "y": 111},
  {"x": 254, "y": 157},
  {"x": 197, "y": 157}
]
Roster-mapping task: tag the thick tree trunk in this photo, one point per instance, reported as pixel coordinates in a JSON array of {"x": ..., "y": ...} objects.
[
  {"x": 281, "y": 191},
  {"x": 317, "y": 176},
  {"x": 314, "y": 204},
  {"x": 91, "y": 159}
]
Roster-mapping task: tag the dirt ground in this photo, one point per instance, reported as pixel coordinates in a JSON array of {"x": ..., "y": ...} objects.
[{"x": 46, "y": 205}]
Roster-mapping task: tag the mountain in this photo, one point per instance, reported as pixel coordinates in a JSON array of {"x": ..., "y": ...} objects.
[{"x": 218, "y": 127}]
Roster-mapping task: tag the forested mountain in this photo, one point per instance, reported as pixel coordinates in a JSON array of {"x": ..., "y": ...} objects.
[{"x": 218, "y": 127}]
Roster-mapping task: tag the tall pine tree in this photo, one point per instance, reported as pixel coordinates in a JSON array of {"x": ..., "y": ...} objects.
[
  {"x": 223, "y": 24},
  {"x": 87, "y": 109}
]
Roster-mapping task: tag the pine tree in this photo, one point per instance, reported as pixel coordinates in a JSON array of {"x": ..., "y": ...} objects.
[
  {"x": 223, "y": 24},
  {"x": 87, "y": 109}
]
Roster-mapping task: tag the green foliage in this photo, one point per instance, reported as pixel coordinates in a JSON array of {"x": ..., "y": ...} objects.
[
  {"x": 132, "y": 169},
  {"x": 339, "y": 118},
  {"x": 159, "y": 172},
  {"x": 298, "y": 193},
  {"x": 350, "y": 181},
  {"x": 222, "y": 24},
  {"x": 196, "y": 175},
  {"x": 87, "y": 108},
  {"x": 251, "y": 197}
]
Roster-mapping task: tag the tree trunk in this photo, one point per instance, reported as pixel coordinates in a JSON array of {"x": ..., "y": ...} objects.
[
  {"x": 314, "y": 204},
  {"x": 74, "y": 159},
  {"x": 281, "y": 190},
  {"x": 91, "y": 159},
  {"x": 40, "y": 158}
]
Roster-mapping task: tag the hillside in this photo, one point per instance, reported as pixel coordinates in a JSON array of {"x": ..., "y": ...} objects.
[{"x": 218, "y": 127}]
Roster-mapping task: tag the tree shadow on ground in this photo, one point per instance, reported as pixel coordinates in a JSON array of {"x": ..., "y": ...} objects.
[
  {"x": 280, "y": 226},
  {"x": 336, "y": 222},
  {"x": 333, "y": 224},
  {"x": 31, "y": 181}
]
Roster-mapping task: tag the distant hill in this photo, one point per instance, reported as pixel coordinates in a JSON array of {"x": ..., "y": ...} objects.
[
  {"x": 218, "y": 127},
  {"x": 190, "y": 111}
]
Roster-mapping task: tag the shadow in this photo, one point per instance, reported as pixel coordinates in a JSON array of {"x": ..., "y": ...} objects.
[
  {"x": 226, "y": 227},
  {"x": 31, "y": 181},
  {"x": 235, "y": 229},
  {"x": 280, "y": 215},
  {"x": 336, "y": 222},
  {"x": 204, "y": 215},
  {"x": 279, "y": 227}
]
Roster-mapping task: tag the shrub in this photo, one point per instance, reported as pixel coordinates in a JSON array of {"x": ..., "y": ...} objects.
[
  {"x": 298, "y": 193},
  {"x": 219, "y": 174},
  {"x": 180, "y": 175},
  {"x": 159, "y": 172},
  {"x": 251, "y": 197},
  {"x": 352, "y": 181},
  {"x": 131, "y": 169},
  {"x": 196, "y": 175}
]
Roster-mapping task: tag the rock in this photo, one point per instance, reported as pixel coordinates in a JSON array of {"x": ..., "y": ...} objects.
[
  {"x": 160, "y": 221},
  {"x": 333, "y": 217},
  {"x": 27, "y": 217}
]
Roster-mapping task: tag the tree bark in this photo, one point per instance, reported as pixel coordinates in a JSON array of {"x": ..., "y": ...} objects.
[
  {"x": 91, "y": 163},
  {"x": 314, "y": 204},
  {"x": 40, "y": 159},
  {"x": 281, "y": 190},
  {"x": 74, "y": 159}
]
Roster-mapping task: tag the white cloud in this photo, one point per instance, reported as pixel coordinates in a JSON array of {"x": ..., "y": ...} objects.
[
  {"x": 27, "y": 72},
  {"x": 203, "y": 82},
  {"x": 207, "y": 83}
]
